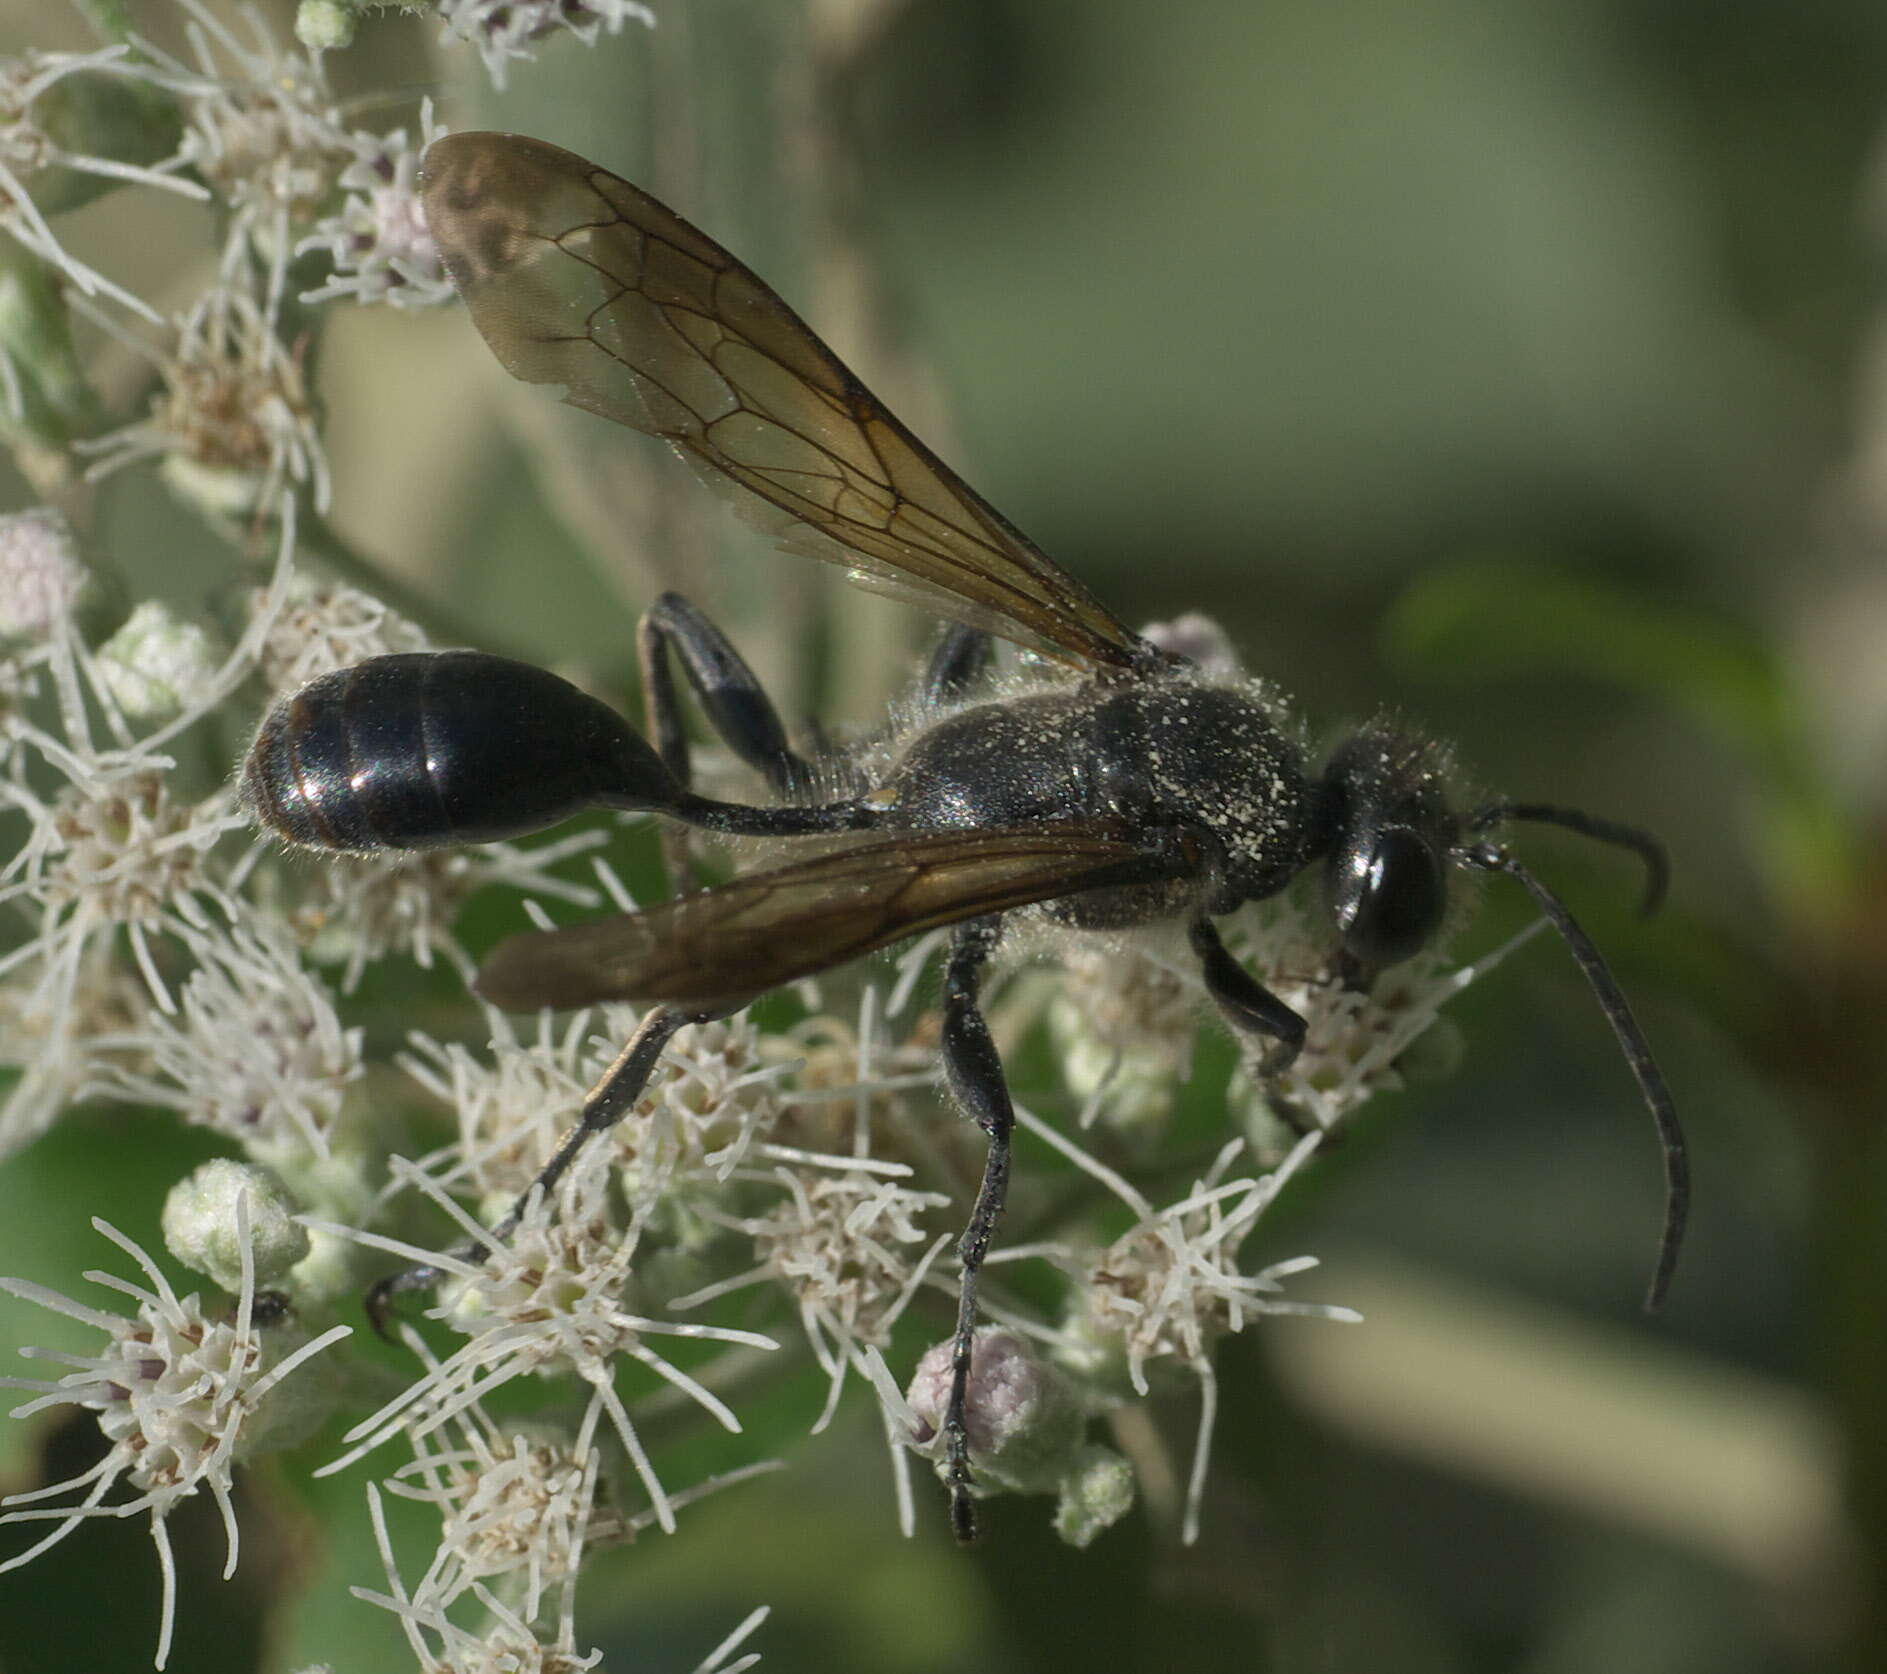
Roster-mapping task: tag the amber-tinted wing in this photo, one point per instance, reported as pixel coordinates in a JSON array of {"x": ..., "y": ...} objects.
[
  {"x": 581, "y": 280},
  {"x": 742, "y": 938}
]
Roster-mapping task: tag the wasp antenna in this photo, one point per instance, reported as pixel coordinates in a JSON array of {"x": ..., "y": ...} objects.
[
  {"x": 1486, "y": 857},
  {"x": 1641, "y": 843}
]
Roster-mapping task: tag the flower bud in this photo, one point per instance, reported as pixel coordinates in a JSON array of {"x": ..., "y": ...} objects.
[
  {"x": 157, "y": 664},
  {"x": 41, "y": 577},
  {"x": 1023, "y": 1421},
  {"x": 325, "y": 25},
  {"x": 1095, "y": 1495},
  {"x": 200, "y": 1223}
]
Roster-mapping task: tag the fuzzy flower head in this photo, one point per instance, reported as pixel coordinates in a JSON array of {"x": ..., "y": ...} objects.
[
  {"x": 704, "y": 1111},
  {"x": 177, "y": 1394},
  {"x": 705, "y": 1105},
  {"x": 1124, "y": 1027},
  {"x": 504, "y": 30},
  {"x": 353, "y": 910},
  {"x": 520, "y": 1507},
  {"x": 322, "y": 626},
  {"x": 512, "y": 1103},
  {"x": 124, "y": 850},
  {"x": 263, "y": 130},
  {"x": 256, "y": 1052},
  {"x": 50, "y": 1032},
  {"x": 41, "y": 578},
  {"x": 235, "y": 420},
  {"x": 848, "y": 1249},
  {"x": 1359, "y": 1042},
  {"x": 378, "y": 240},
  {"x": 517, "y": 1511},
  {"x": 505, "y": 1639},
  {"x": 847, "y": 1093},
  {"x": 113, "y": 859},
  {"x": 1168, "y": 1289},
  {"x": 1170, "y": 1286},
  {"x": 851, "y": 1250},
  {"x": 546, "y": 1300}
]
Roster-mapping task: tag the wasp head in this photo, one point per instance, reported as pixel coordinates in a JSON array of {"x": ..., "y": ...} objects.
[{"x": 1390, "y": 835}]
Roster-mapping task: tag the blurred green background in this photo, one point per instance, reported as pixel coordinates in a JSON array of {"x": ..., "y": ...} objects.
[{"x": 1513, "y": 366}]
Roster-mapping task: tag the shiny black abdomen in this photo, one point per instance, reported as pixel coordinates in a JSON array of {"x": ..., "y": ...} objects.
[{"x": 420, "y": 749}]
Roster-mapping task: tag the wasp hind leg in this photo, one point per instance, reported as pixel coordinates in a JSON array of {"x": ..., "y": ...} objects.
[
  {"x": 956, "y": 662},
  {"x": 974, "y": 1075},
  {"x": 731, "y": 697}
]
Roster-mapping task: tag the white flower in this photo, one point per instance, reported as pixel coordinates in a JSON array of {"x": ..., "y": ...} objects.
[
  {"x": 112, "y": 854},
  {"x": 504, "y": 1641},
  {"x": 712, "y": 1103},
  {"x": 1170, "y": 1286},
  {"x": 1124, "y": 1028},
  {"x": 323, "y": 626},
  {"x": 520, "y": 1507},
  {"x": 356, "y": 909},
  {"x": 845, "y": 1248},
  {"x": 175, "y": 1392},
  {"x": 701, "y": 1113},
  {"x": 236, "y": 420},
  {"x": 111, "y": 851},
  {"x": 378, "y": 240},
  {"x": 1357, "y": 1039},
  {"x": 546, "y": 1300},
  {"x": 263, "y": 130},
  {"x": 511, "y": 1110},
  {"x": 256, "y": 1051},
  {"x": 506, "y": 29},
  {"x": 41, "y": 577}
]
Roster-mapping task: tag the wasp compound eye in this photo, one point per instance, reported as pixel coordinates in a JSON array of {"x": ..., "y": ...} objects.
[{"x": 1387, "y": 898}]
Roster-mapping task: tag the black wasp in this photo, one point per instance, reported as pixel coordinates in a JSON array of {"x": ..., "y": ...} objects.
[{"x": 1136, "y": 789}]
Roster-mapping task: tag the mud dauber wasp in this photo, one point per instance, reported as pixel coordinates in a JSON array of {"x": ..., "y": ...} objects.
[{"x": 1134, "y": 789}]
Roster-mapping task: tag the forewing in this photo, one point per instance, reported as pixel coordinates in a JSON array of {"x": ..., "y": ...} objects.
[
  {"x": 742, "y": 938},
  {"x": 578, "y": 279}
]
